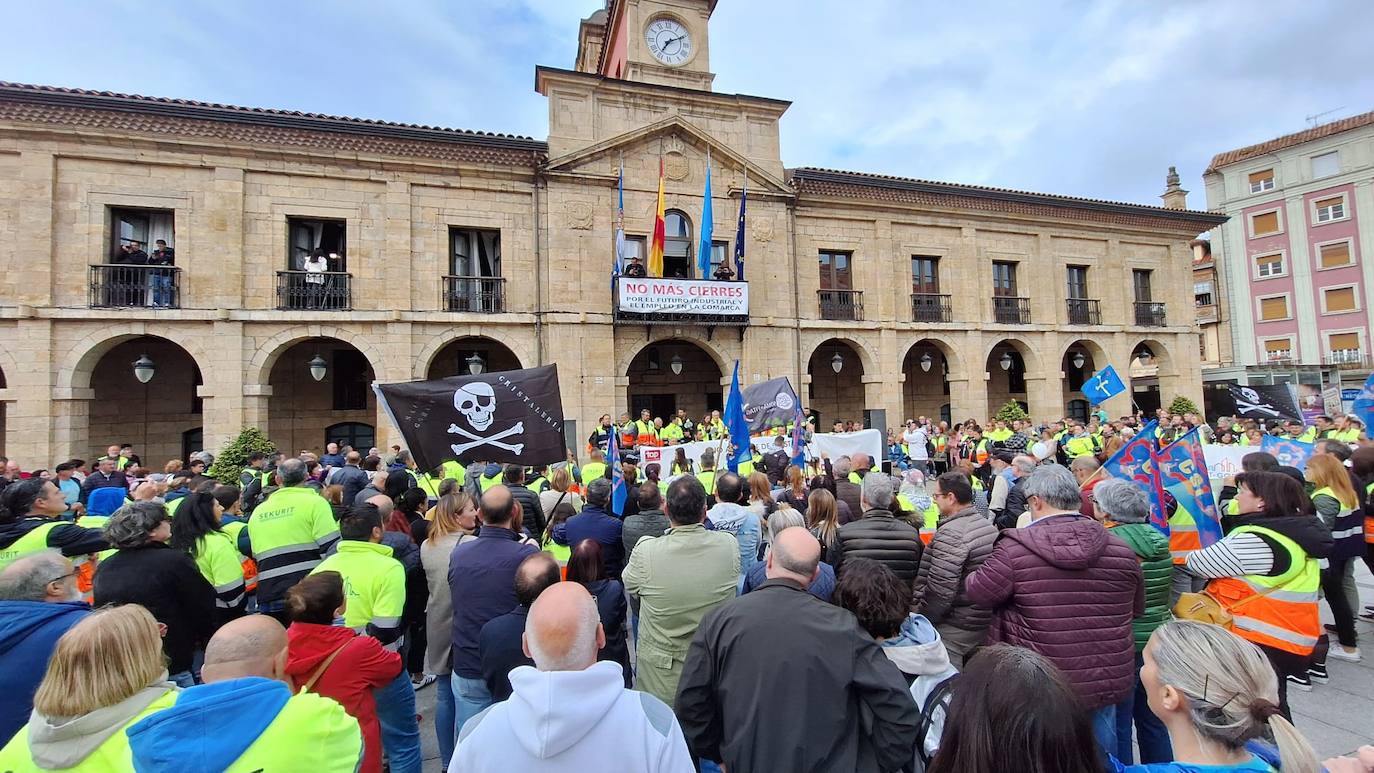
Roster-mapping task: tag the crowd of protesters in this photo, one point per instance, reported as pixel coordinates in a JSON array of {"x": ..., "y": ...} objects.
[{"x": 987, "y": 601}]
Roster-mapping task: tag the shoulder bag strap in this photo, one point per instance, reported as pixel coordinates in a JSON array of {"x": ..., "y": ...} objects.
[{"x": 323, "y": 667}]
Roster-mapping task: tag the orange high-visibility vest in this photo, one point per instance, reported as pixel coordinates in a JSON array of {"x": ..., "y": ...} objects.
[{"x": 1286, "y": 617}]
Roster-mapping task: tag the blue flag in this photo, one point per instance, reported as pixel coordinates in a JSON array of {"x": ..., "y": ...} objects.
[
  {"x": 739, "y": 234},
  {"x": 1138, "y": 462},
  {"x": 618, "y": 264},
  {"x": 707, "y": 225},
  {"x": 1364, "y": 404},
  {"x": 1291, "y": 453},
  {"x": 737, "y": 425},
  {"x": 1103, "y": 386},
  {"x": 799, "y": 438},
  {"x": 618, "y": 488},
  {"x": 1184, "y": 470}
]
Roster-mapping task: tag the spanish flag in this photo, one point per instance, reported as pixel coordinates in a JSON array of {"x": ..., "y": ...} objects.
[{"x": 655, "y": 267}]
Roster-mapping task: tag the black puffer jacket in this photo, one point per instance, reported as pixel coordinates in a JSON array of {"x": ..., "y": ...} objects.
[
  {"x": 883, "y": 538},
  {"x": 532, "y": 512}
]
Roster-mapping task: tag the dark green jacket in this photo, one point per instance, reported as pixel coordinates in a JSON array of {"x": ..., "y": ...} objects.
[{"x": 1152, "y": 548}]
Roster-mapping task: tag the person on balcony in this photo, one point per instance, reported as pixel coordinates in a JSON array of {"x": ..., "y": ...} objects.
[
  {"x": 635, "y": 268},
  {"x": 160, "y": 279},
  {"x": 723, "y": 273},
  {"x": 315, "y": 267}
]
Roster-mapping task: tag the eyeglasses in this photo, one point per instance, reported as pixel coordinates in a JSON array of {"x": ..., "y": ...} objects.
[{"x": 60, "y": 579}]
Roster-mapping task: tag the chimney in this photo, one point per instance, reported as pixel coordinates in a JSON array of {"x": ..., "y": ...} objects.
[{"x": 1174, "y": 196}]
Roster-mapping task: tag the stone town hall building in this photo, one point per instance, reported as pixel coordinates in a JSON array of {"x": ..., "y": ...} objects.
[{"x": 867, "y": 291}]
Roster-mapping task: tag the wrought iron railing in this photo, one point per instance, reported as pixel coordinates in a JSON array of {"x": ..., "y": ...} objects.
[
  {"x": 1149, "y": 314},
  {"x": 1011, "y": 311},
  {"x": 1084, "y": 311},
  {"x": 314, "y": 290},
  {"x": 117, "y": 286},
  {"x": 484, "y": 294},
  {"x": 842, "y": 304},
  {"x": 930, "y": 307}
]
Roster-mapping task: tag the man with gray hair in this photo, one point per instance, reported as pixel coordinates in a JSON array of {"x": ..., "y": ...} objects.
[
  {"x": 856, "y": 712},
  {"x": 1021, "y": 468},
  {"x": 290, "y": 533},
  {"x": 39, "y": 601},
  {"x": 570, "y": 711},
  {"x": 785, "y": 518},
  {"x": 1068, "y": 589},
  {"x": 879, "y": 535},
  {"x": 847, "y": 488},
  {"x": 595, "y": 523}
]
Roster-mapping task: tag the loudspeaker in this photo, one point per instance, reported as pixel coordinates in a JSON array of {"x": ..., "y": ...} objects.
[
  {"x": 876, "y": 418},
  {"x": 570, "y": 438}
]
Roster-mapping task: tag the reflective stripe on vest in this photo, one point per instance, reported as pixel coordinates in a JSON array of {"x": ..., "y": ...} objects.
[
  {"x": 34, "y": 541},
  {"x": 1183, "y": 536},
  {"x": 930, "y": 522},
  {"x": 1347, "y": 523},
  {"x": 1286, "y": 617}
]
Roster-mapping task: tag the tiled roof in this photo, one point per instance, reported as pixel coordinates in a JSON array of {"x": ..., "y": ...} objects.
[
  {"x": 830, "y": 182},
  {"x": 1289, "y": 140},
  {"x": 259, "y": 126}
]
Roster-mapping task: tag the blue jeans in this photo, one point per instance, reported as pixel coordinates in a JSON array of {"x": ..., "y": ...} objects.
[
  {"x": 162, "y": 287},
  {"x": 400, "y": 731},
  {"x": 1150, "y": 733},
  {"x": 443, "y": 718},
  {"x": 1104, "y": 730},
  {"x": 183, "y": 679},
  {"x": 470, "y": 698}
]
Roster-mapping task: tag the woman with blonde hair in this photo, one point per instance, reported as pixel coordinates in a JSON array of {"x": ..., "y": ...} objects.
[
  {"x": 455, "y": 522},
  {"x": 106, "y": 673},
  {"x": 560, "y": 491},
  {"x": 760, "y": 496},
  {"x": 1218, "y": 697},
  {"x": 823, "y": 519},
  {"x": 1338, "y": 507}
]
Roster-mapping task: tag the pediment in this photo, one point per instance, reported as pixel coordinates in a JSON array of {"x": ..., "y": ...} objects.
[{"x": 682, "y": 145}]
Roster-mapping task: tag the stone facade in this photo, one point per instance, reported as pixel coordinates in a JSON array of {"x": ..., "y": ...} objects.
[{"x": 231, "y": 356}]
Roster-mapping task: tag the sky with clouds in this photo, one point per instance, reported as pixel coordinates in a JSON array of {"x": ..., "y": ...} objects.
[{"x": 1082, "y": 98}]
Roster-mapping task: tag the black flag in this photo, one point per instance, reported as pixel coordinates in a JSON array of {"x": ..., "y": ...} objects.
[
  {"x": 509, "y": 417},
  {"x": 1265, "y": 402},
  {"x": 769, "y": 404}
]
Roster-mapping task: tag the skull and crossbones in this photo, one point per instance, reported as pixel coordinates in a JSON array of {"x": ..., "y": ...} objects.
[
  {"x": 1254, "y": 398},
  {"x": 477, "y": 403}
]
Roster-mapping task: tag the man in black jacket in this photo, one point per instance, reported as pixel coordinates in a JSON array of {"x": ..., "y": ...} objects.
[
  {"x": 775, "y": 462},
  {"x": 879, "y": 535},
  {"x": 856, "y": 713},
  {"x": 532, "y": 513}
]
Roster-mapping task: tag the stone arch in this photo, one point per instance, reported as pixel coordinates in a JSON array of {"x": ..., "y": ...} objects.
[
  {"x": 725, "y": 364},
  {"x": 868, "y": 354},
  {"x": 651, "y": 383},
  {"x": 1095, "y": 351},
  {"x": 1162, "y": 360},
  {"x": 428, "y": 361},
  {"x": 1034, "y": 367},
  {"x": 424, "y": 360},
  {"x": 952, "y": 356},
  {"x": 259, "y": 369},
  {"x": 76, "y": 366}
]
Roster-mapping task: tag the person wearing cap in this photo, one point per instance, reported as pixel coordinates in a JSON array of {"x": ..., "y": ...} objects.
[
  {"x": 1001, "y": 480},
  {"x": 635, "y": 268}
]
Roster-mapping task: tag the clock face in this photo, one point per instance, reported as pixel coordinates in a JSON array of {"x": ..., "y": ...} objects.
[{"x": 668, "y": 41}]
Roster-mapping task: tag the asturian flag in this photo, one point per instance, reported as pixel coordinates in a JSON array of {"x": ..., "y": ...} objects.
[
  {"x": 1364, "y": 405},
  {"x": 737, "y": 425},
  {"x": 707, "y": 225},
  {"x": 739, "y": 233},
  {"x": 1103, "y": 386},
  {"x": 619, "y": 491},
  {"x": 618, "y": 267}
]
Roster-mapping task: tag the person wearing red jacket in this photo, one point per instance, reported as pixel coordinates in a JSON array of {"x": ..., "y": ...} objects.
[{"x": 335, "y": 662}]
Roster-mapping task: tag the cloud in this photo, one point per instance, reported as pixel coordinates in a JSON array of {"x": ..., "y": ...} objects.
[{"x": 1092, "y": 99}]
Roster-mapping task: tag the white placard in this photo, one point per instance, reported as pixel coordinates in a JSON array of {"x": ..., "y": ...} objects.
[
  {"x": 832, "y": 444},
  {"x": 656, "y": 295}
]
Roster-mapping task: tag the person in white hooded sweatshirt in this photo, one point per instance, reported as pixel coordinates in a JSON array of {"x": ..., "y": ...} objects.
[{"x": 571, "y": 712}]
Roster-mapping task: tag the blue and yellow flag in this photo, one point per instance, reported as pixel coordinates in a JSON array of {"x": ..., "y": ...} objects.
[
  {"x": 1138, "y": 462},
  {"x": 1184, "y": 470}
]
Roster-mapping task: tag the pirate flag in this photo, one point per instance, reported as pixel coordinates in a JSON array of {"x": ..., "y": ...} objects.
[
  {"x": 1265, "y": 402},
  {"x": 508, "y": 417}
]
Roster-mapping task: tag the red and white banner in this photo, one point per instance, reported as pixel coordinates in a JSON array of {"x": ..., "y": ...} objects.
[{"x": 657, "y": 295}]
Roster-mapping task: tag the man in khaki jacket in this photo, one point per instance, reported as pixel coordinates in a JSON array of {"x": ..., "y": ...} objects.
[{"x": 678, "y": 578}]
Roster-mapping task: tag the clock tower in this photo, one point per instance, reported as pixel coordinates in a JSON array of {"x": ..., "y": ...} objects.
[{"x": 652, "y": 41}]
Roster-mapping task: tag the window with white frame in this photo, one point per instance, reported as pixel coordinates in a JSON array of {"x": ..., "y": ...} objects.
[
  {"x": 1276, "y": 349},
  {"x": 1269, "y": 265},
  {"x": 1329, "y": 209},
  {"x": 1262, "y": 181},
  {"x": 1264, "y": 223},
  {"x": 1326, "y": 164},
  {"x": 1344, "y": 347}
]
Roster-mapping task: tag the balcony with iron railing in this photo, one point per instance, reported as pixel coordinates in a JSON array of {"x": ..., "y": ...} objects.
[
  {"x": 1011, "y": 311},
  {"x": 481, "y": 294},
  {"x": 1350, "y": 359},
  {"x": 841, "y": 304},
  {"x": 1083, "y": 311},
  {"x": 314, "y": 291},
  {"x": 118, "y": 286},
  {"x": 1149, "y": 314},
  {"x": 930, "y": 307}
]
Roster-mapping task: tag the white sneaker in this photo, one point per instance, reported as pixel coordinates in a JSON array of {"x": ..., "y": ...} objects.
[{"x": 1341, "y": 653}]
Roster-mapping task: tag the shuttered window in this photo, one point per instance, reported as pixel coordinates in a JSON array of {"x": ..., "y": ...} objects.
[
  {"x": 1344, "y": 342},
  {"x": 1330, "y": 209},
  {"x": 1274, "y": 308},
  {"x": 1340, "y": 299},
  {"x": 1267, "y": 223},
  {"x": 1261, "y": 181},
  {"x": 1333, "y": 255},
  {"x": 1278, "y": 348},
  {"x": 1269, "y": 265}
]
